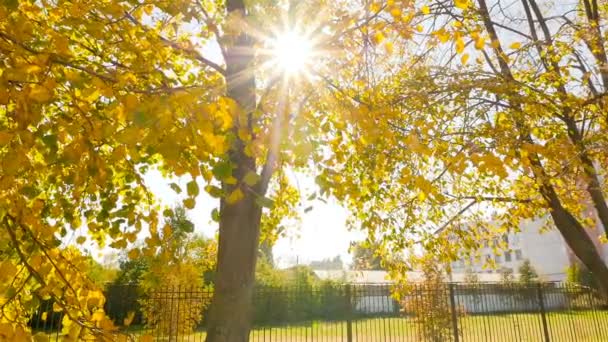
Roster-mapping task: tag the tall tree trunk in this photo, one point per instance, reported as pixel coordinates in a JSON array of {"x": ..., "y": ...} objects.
[
  {"x": 229, "y": 317},
  {"x": 230, "y": 311},
  {"x": 579, "y": 241}
]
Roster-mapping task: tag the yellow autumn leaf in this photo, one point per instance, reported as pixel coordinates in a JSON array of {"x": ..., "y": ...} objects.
[
  {"x": 442, "y": 34},
  {"x": 81, "y": 239},
  {"x": 189, "y": 203},
  {"x": 5, "y": 138},
  {"x": 4, "y": 96},
  {"x": 480, "y": 43},
  {"x": 464, "y": 59},
  {"x": 378, "y": 37},
  {"x": 7, "y": 270},
  {"x": 40, "y": 337},
  {"x": 98, "y": 315},
  {"x": 425, "y": 9},
  {"x": 396, "y": 12},
  {"x": 6, "y": 330},
  {"x": 459, "y": 45},
  {"x": 462, "y": 4},
  {"x": 146, "y": 338},
  {"x": 389, "y": 47},
  {"x": 40, "y": 94},
  {"x": 235, "y": 196},
  {"x": 127, "y": 321},
  {"x": 133, "y": 254},
  {"x": 130, "y": 101},
  {"x": 515, "y": 45}
]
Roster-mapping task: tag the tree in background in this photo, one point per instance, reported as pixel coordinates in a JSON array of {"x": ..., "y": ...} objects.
[
  {"x": 131, "y": 270},
  {"x": 527, "y": 273},
  {"x": 328, "y": 264},
  {"x": 470, "y": 276},
  {"x": 506, "y": 276},
  {"x": 578, "y": 274},
  {"x": 100, "y": 274},
  {"x": 175, "y": 292},
  {"x": 365, "y": 256},
  {"x": 431, "y": 304}
]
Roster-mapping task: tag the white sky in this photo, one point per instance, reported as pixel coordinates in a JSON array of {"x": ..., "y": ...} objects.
[{"x": 321, "y": 232}]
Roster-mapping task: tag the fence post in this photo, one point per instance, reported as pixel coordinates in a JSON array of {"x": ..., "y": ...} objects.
[
  {"x": 454, "y": 313},
  {"x": 349, "y": 314},
  {"x": 543, "y": 316}
]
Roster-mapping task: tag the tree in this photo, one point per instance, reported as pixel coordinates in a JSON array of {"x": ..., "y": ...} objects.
[
  {"x": 527, "y": 273},
  {"x": 365, "y": 257},
  {"x": 173, "y": 282},
  {"x": 492, "y": 115},
  {"x": 470, "y": 276},
  {"x": 95, "y": 93},
  {"x": 506, "y": 276},
  {"x": 131, "y": 270},
  {"x": 100, "y": 274},
  {"x": 431, "y": 304},
  {"x": 328, "y": 264},
  {"x": 577, "y": 274}
]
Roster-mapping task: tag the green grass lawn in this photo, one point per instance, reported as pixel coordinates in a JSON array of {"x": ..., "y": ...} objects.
[{"x": 571, "y": 326}]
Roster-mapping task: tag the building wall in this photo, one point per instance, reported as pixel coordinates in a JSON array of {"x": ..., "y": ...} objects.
[{"x": 544, "y": 248}]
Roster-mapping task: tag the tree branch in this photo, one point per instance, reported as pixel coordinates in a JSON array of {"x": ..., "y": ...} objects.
[{"x": 190, "y": 51}]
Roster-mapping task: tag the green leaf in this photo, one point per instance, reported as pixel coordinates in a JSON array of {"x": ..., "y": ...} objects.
[
  {"x": 222, "y": 170},
  {"x": 251, "y": 178},
  {"x": 176, "y": 188},
  {"x": 189, "y": 203},
  {"x": 264, "y": 202},
  {"x": 29, "y": 191},
  {"x": 192, "y": 188},
  {"x": 214, "y": 191},
  {"x": 215, "y": 215},
  {"x": 142, "y": 119}
]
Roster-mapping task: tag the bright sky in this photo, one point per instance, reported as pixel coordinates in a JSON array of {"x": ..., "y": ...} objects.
[{"x": 321, "y": 232}]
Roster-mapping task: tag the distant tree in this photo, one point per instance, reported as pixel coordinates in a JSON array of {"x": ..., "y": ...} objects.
[
  {"x": 267, "y": 275},
  {"x": 100, "y": 274},
  {"x": 506, "y": 276},
  {"x": 527, "y": 273},
  {"x": 431, "y": 305},
  {"x": 131, "y": 270},
  {"x": 578, "y": 274},
  {"x": 364, "y": 257},
  {"x": 470, "y": 276},
  {"x": 328, "y": 264}
]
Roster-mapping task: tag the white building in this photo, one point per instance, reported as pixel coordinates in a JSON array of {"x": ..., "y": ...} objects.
[{"x": 544, "y": 248}]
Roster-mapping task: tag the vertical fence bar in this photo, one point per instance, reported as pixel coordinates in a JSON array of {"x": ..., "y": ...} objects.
[
  {"x": 453, "y": 310},
  {"x": 543, "y": 314},
  {"x": 349, "y": 315}
]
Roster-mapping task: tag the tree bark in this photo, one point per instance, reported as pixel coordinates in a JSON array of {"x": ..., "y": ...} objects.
[
  {"x": 229, "y": 318},
  {"x": 578, "y": 240},
  {"x": 230, "y": 312}
]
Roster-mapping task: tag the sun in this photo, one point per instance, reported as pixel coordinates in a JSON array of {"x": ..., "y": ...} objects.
[{"x": 291, "y": 51}]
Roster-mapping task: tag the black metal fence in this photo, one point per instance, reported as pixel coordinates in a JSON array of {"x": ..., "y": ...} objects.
[{"x": 365, "y": 312}]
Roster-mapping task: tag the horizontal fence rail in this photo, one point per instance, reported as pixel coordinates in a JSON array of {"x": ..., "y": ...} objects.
[{"x": 363, "y": 312}]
